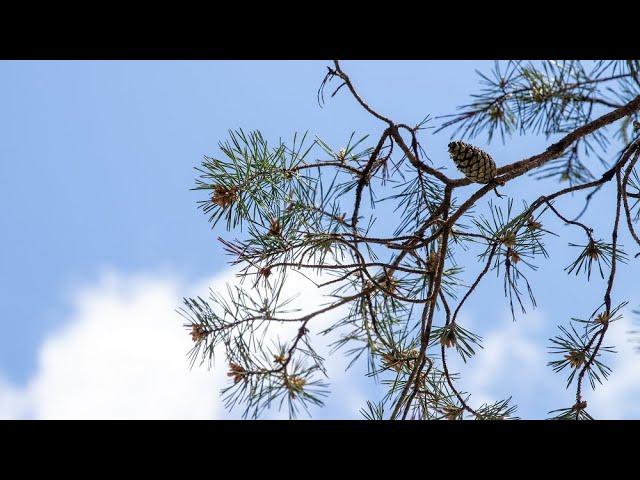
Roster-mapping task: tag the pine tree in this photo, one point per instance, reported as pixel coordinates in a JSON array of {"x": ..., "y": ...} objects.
[{"x": 301, "y": 207}]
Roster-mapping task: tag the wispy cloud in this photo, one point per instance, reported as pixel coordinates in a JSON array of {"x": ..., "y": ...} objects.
[
  {"x": 619, "y": 397},
  {"x": 514, "y": 363}
]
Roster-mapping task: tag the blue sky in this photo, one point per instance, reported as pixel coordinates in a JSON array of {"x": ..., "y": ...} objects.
[{"x": 96, "y": 166}]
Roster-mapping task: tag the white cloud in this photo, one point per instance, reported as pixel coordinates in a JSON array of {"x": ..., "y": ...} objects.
[
  {"x": 619, "y": 397},
  {"x": 122, "y": 354},
  {"x": 514, "y": 362},
  {"x": 12, "y": 401}
]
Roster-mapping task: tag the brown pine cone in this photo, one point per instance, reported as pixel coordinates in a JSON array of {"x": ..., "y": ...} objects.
[{"x": 477, "y": 165}]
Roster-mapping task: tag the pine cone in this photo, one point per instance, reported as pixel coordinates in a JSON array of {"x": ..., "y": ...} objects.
[{"x": 477, "y": 166}]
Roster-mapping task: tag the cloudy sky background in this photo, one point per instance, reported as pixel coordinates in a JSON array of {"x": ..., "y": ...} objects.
[{"x": 101, "y": 237}]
